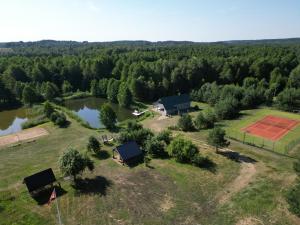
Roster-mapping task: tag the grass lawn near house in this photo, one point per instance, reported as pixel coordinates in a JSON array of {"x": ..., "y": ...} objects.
[{"x": 169, "y": 193}]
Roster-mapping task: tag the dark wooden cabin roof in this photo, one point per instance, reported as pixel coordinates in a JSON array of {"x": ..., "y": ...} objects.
[
  {"x": 129, "y": 150},
  {"x": 171, "y": 101},
  {"x": 39, "y": 180}
]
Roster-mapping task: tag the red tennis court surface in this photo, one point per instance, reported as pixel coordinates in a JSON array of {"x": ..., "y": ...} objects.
[{"x": 271, "y": 127}]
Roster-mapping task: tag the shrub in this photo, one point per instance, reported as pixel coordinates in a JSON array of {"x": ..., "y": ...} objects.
[
  {"x": 48, "y": 109},
  {"x": 164, "y": 136},
  {"x": 205, "y": 119},
  {"x": 293, "y": 198},
  {"x": 34, "y": 122},
  {"x": 182, "y": 150},
  {"x": 93, "y": 145},
  {"x": 58, "y": 119},
  {"x": 185, "y": 123},
  {"x": 155, "y": 147}
]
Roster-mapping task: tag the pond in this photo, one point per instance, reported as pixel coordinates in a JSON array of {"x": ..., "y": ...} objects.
[
  {"x": 89, "y": 109},
  {"x": 11, "y": 120}
]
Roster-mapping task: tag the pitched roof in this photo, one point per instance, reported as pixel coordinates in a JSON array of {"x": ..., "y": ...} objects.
[
  {"x": 39, "y": 180},
  {"x": 129, "y": 150},
  {"x": 171, "y": 101}
]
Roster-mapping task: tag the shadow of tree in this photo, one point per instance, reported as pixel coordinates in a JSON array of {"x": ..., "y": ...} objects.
[
  {"x": 43, "y": 196},
  {"x": 236, "y": 156},
  {"x": 96, "y": 185},
  {"x": 102, "y": 155},
  {"x": 209, "y": 165}
]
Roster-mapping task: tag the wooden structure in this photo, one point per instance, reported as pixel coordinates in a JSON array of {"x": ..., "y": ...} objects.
[
  {"x": 127, "y": 152},
  {"x": 39, "y": 180}
]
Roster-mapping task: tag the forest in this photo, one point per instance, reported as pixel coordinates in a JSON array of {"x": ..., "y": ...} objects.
[{"x": 239, "y": 74}]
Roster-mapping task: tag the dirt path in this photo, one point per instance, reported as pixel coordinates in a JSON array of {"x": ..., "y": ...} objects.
[
  {"x": 24, "y": 135},
  {"x": 247, "y": 172}
]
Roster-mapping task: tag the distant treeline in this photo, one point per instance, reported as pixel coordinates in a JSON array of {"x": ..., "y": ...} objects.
[{"x": 252, "y": 74}]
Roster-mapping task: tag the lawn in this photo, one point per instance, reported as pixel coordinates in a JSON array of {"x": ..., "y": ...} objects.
[{"x": 166, "y": 193}]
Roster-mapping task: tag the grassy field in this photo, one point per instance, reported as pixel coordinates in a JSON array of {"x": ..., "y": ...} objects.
[{"x": 166, "y": 193}]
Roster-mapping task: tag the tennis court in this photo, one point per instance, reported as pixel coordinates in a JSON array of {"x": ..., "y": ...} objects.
[{"x": 271, "y": 127}]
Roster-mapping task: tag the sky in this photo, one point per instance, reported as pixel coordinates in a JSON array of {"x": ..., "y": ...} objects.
[{"x": 152, "y": 20}]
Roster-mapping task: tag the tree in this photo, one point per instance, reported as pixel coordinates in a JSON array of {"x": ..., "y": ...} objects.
[
  {"x": 227, "y": 108},
  {"x": 155, "y": 147},
  {"x": 73, "y": 163},
  {"x": 51, "y": 91},
  {"x": 147, "y": 160},
  {"x": 294, "y": 79},
  {"x": 124, "y": 96},
  {"x": 182, "y": 150},
  {"x": 29, "y": 95},
  {"x": 93, "y": 145},
  {"x": 48, "y": 109},
  {"x": 288, "y": 99},
  {"x": 216, "y": 138},
  {"x": 95, "y": 88},
  {"x": 164, "y": 136},
  {"x": 185, "y": 123},
  {"x": 107, "y": 116},
  {"x": 112, "y": 90},
  {"x": 135, "y": 132},
  {"x": 58, "y": 119},
  {"x": 205, "y": 119},
  {"x": 67, "y": 87}
]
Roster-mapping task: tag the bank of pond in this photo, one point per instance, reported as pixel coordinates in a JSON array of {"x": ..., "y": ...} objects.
[{"x": 88, "y": 109}]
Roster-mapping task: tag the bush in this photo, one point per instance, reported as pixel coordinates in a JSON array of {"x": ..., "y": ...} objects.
[
  {"x": 164, "y": 136},
  {"x": 185, "y": 123},
  {"x": 48, "y": 109},
  {"x": 227, "y": 108},
  {"x": 293, "y": 198},
  {"x": 205, "y": 119},
  {"x": 201, "y": 161},
  {"x": 93, "y": 145},
  {"x": 155, "y": 147},
  {"x": 182, "y": 150},
  {"x": 58, "y": 119}
]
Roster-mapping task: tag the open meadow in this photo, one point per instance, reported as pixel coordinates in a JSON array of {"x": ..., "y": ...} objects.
[{"x": 250, "y": 191}]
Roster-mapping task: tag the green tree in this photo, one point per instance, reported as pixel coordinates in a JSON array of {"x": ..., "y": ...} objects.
[
  {"x": 58, "y": 119},
  {"x": 294, "y": 79},
  {"x": 93, "y": 145},
  {"x": 67, "y": 87},
  {"x": 48, "y": 109},
  {"x": 107, "y": 116},
  {"x": 112, "y": 90},
  {"x": 124, "y": 96},
  {"x": 147, "y": 160},
  {"x": 227, "y": 108},
  {"x": 155, "y": 147},
  {"x": 51, "y": 91},
  {"x": 73, "y": 163},
  {"x": 216, "y": 138},
  {"x": 29, "y": 95},
  {"x": 185, "y": 123},
  {"x": 95, "y": 88},
  {"x": 165, "y": 136},
  {"x": 288, "y": 99},
  {"x": 182, "y": 150},
  {"x": 205, "y": 119}
]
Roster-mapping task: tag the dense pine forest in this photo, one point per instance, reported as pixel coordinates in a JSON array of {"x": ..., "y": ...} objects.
[{"x": 226, "y": 74}]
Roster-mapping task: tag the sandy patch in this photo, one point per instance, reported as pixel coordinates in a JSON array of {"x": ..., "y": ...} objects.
[
  {"x": 249, "y": 221},
  {"x": 167, "y": 204},
  {"x": 28, "y": 134}
]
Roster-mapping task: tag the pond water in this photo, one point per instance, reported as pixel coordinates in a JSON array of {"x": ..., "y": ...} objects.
[
  {"x": 11, "y": 120},
  {"x": 89, "y": 110}
]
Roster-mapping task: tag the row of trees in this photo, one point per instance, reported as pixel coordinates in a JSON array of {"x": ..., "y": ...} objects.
[{"x": 146, "y": 73}]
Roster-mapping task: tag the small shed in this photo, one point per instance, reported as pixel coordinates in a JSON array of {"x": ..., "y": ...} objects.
[
  {"x": 39, "y": 180},
  {"x": 127, "y": 152},
  {"x": 171, "y": 105}
]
